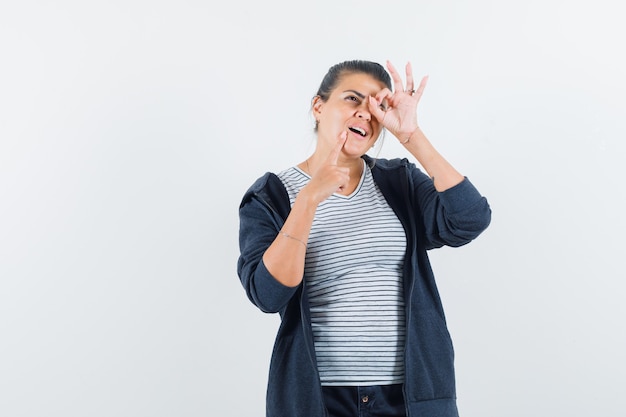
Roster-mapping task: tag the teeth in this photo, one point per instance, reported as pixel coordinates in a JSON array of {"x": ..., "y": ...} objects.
[{"x": 358, "y": 130}]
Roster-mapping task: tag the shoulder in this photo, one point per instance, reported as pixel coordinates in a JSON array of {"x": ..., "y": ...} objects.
[
  {"x": 383, "y": 167},
  {"x": 387, "y": 164},
  {"x": 267, "y": 191},
  {"x": 264, "y": 184}
]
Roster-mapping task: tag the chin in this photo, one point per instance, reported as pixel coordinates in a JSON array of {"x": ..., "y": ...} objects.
[{"x": 356, "y": 150}]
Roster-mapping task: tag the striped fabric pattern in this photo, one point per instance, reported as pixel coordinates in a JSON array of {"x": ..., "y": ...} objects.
[{"x": 353, "y": 277}]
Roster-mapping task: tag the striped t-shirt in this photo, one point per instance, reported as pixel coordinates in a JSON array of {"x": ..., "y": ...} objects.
[{"x": 353, "y": 278}]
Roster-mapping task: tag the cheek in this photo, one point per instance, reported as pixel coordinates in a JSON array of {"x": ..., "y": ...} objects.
[
  {"x": 333, "y": 123},
  {"x": 378, "y": 128}
]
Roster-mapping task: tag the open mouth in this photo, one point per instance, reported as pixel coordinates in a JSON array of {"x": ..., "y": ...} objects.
[{"x": 358, "y": 131}]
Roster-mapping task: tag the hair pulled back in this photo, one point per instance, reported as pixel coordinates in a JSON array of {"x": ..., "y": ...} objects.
[{"x": 334, "y": 74}]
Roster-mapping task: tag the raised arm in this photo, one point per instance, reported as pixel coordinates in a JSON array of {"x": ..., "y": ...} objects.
[{"x": 400, "y": 118}]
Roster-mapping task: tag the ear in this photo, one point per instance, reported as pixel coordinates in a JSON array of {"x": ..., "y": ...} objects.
[{"x": 318, "y": 103}]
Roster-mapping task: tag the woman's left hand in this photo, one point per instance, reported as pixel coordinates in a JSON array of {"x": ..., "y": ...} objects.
[{"x": 397, "y": 111}]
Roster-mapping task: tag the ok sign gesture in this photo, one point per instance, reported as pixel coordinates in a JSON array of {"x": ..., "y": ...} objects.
[{"x": 397, "y": 111}]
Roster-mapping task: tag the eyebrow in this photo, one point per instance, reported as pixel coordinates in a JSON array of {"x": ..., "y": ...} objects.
[{"x": 355, "y": 92}]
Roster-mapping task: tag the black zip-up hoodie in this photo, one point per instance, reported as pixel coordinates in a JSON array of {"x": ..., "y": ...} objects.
[{"x": 431, "y": 219}]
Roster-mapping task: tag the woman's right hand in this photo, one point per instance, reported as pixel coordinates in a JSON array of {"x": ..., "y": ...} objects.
[{"x": 328, "y": 178}]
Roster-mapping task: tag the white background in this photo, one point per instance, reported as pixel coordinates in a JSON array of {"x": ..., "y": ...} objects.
[{"x": 129, "y": 130}]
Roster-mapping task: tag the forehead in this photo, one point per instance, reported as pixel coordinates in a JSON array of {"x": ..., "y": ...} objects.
[{"x": 363, "y": 83}]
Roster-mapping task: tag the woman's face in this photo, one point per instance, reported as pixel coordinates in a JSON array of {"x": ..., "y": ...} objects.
[{"x": 347, "y": 110}]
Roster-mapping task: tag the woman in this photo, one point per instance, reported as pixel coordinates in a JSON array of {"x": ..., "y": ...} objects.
[{"x": 337, "y": 245}]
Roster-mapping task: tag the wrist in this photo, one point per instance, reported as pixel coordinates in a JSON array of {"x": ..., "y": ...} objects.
[
  {"x": 307, "y": 199},
  {"x": 408, "y": 137}
]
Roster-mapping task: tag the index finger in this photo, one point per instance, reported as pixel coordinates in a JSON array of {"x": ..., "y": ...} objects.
[{"x": 334, "y": 154}]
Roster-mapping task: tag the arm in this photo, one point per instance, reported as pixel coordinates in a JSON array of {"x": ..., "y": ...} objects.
[
  {"x": 443, "y": 174},
  {"x": 400, "y": 118},
  {"x": 273, "y": 246},
  {"x": 258, "y": 224},
  {"x": 285, "y": 256},
  {"x": 453, "y": 217}
]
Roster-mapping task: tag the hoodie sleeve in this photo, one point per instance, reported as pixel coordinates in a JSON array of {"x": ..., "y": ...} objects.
[
  {"x": 258, "y": 227},
  {"x": 453, "y": 217}
]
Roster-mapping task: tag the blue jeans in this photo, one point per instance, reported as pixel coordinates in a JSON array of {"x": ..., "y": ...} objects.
[{"x": 365, "y": 401}]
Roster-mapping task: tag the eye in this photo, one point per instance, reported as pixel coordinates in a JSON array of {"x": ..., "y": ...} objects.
[{"x": 354, "y": 99}]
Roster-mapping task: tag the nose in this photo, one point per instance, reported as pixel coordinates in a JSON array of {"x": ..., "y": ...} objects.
[{"x": 363, "y": 112}]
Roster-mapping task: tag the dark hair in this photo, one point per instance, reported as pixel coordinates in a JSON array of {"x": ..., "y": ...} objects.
[{"x": 334, "y": 74}]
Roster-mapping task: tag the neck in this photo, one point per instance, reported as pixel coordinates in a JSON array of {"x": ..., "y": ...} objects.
[{"x": 311, "y": 164}]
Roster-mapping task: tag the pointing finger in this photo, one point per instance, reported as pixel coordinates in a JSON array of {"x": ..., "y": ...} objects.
[{"x": 334, "y": 155}]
